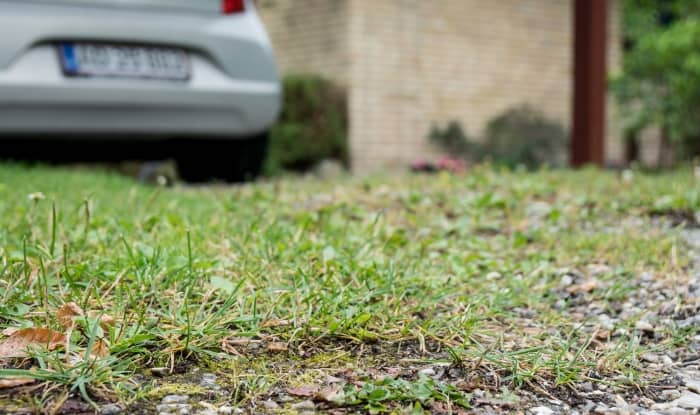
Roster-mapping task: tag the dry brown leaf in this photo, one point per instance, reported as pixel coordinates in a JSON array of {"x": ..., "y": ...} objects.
[
  {"x": 10, "y": 331},
  {"x": 66, "y": 313},
  {"x": 106, "y": 321},
  {"x": 277, "y": 347},
  {"x": 16, "y": 345},
  {"x": 100, "y": 349},
  {"x": 584, "y": 287},
  {"x": 329, "y": 394},
  {"x": 6, "y": 383},
  {"x": 304, "y": 391}
]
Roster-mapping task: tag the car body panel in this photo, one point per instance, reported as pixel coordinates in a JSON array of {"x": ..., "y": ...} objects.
[
  {"x": 234, "y": 88},
  {"x": 187, "y": 6}
]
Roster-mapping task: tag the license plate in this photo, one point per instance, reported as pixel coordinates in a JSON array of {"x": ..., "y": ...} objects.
[{"x": 124, "y": 61}]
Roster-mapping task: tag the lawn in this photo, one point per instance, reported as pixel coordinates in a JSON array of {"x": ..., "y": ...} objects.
[{"x": 493, "y": 289}]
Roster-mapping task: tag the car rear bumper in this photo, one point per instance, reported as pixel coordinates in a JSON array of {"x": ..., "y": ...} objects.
[{"x": 233, "y": 91}]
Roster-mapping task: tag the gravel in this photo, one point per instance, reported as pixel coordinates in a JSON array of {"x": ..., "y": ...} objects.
[{"x": 111, "y": 409}]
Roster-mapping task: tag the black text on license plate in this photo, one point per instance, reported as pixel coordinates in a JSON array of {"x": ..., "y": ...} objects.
[{"x": 124, "y": 61}]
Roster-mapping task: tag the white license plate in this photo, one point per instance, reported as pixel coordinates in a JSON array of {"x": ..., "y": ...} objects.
[{"x": 124, "y": 61}]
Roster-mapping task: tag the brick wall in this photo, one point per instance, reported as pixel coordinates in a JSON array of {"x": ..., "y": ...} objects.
[
  {"x": 411, "y": 63},
  {"x": 309, "y": 36}
]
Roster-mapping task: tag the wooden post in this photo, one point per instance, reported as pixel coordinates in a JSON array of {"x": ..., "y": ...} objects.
[{"x": 590, "y": 53}]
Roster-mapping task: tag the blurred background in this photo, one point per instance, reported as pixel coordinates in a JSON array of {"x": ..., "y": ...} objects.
[
  {"x": 240, "y": 88},
  {"x": 479, "y": 80}
]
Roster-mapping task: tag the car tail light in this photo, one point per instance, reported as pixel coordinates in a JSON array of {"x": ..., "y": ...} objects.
[{"x": 232, "y": 6}]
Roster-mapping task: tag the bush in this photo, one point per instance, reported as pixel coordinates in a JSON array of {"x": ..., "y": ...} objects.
[
  {"x": 519, "y": 136},
  {"x": 525, "y": 136},
  {"x": 659, "y": 84},
  {"x": 454, "y": 140},
  {"x": 312, "y": 126}
]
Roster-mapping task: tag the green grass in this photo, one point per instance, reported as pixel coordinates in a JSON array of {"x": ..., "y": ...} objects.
[{"x": 385, "y": 271}]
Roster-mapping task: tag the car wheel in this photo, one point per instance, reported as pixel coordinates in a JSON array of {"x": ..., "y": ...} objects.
[{"x": 235, "y": 160}]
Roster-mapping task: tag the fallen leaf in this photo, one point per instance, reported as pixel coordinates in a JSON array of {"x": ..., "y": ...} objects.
[
  {"x": 304, "y": 391},
  {"x": 106, "y": 321},
  {"x": 14, "y": 382},
  {"x": 10, "y": 331},
  {"x": 100, "y": 349},
  {"x": 66, "y": 313},
  {"x": 16, "y": 345},
  {"x": 329, "y": 394},
  {"x": 277, "y": 347},
  {"x": 584, "y": 287}
]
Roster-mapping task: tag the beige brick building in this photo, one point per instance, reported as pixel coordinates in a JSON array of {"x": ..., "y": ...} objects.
[{"x": 408, "y": 64}]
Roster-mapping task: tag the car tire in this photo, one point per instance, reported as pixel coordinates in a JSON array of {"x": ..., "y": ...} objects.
[{"x": 229, "y": 160}]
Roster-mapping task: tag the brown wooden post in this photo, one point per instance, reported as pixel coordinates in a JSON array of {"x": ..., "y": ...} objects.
[{"x": 590, "y": 52}]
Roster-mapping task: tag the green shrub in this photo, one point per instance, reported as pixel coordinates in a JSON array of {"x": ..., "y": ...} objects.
[
  {"x": 454, "y": 139},
  {"x": 519, "y": 136},
  {"x": 523, "y": 135},
  {"x": 312, "y": 126},
  {"x": 659, "y": 84}
]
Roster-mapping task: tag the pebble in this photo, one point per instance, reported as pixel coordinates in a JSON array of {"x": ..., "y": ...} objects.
[
  {"x": 566, "y": 281},
  {"x": 689, "y": 322},
  {"x": 209, "y": 381},
  {"x": 111, "y": 409},
  {"x": 650, "y": 357},
  {"x": 493, "y": 276},
  {"x": 172, "y": 399},
  {"x": 688, "y": 400},
  {"x": 601, "y": 409},
  {"x": 620, "y": 332},
  {"x": 643, "y": 325},
  {"x": 429, "y": 371},
  {"x": 693, "y": 385},
  {"x": 667, "y": 361},
  {"x": 270, "y": 405},
  {"x": 174, "y": 408},
  {"x": 606, "y": 323},
  {"x": 174, "y": 404},
  {"x": 670, "y": 394},
  {"x": 541, "y": 410},
  {"x": 304, "y": 406},
  {"x": 226, "y": 410}
]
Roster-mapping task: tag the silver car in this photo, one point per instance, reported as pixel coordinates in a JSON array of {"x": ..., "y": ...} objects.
[{"x": 193, "y": 80}]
